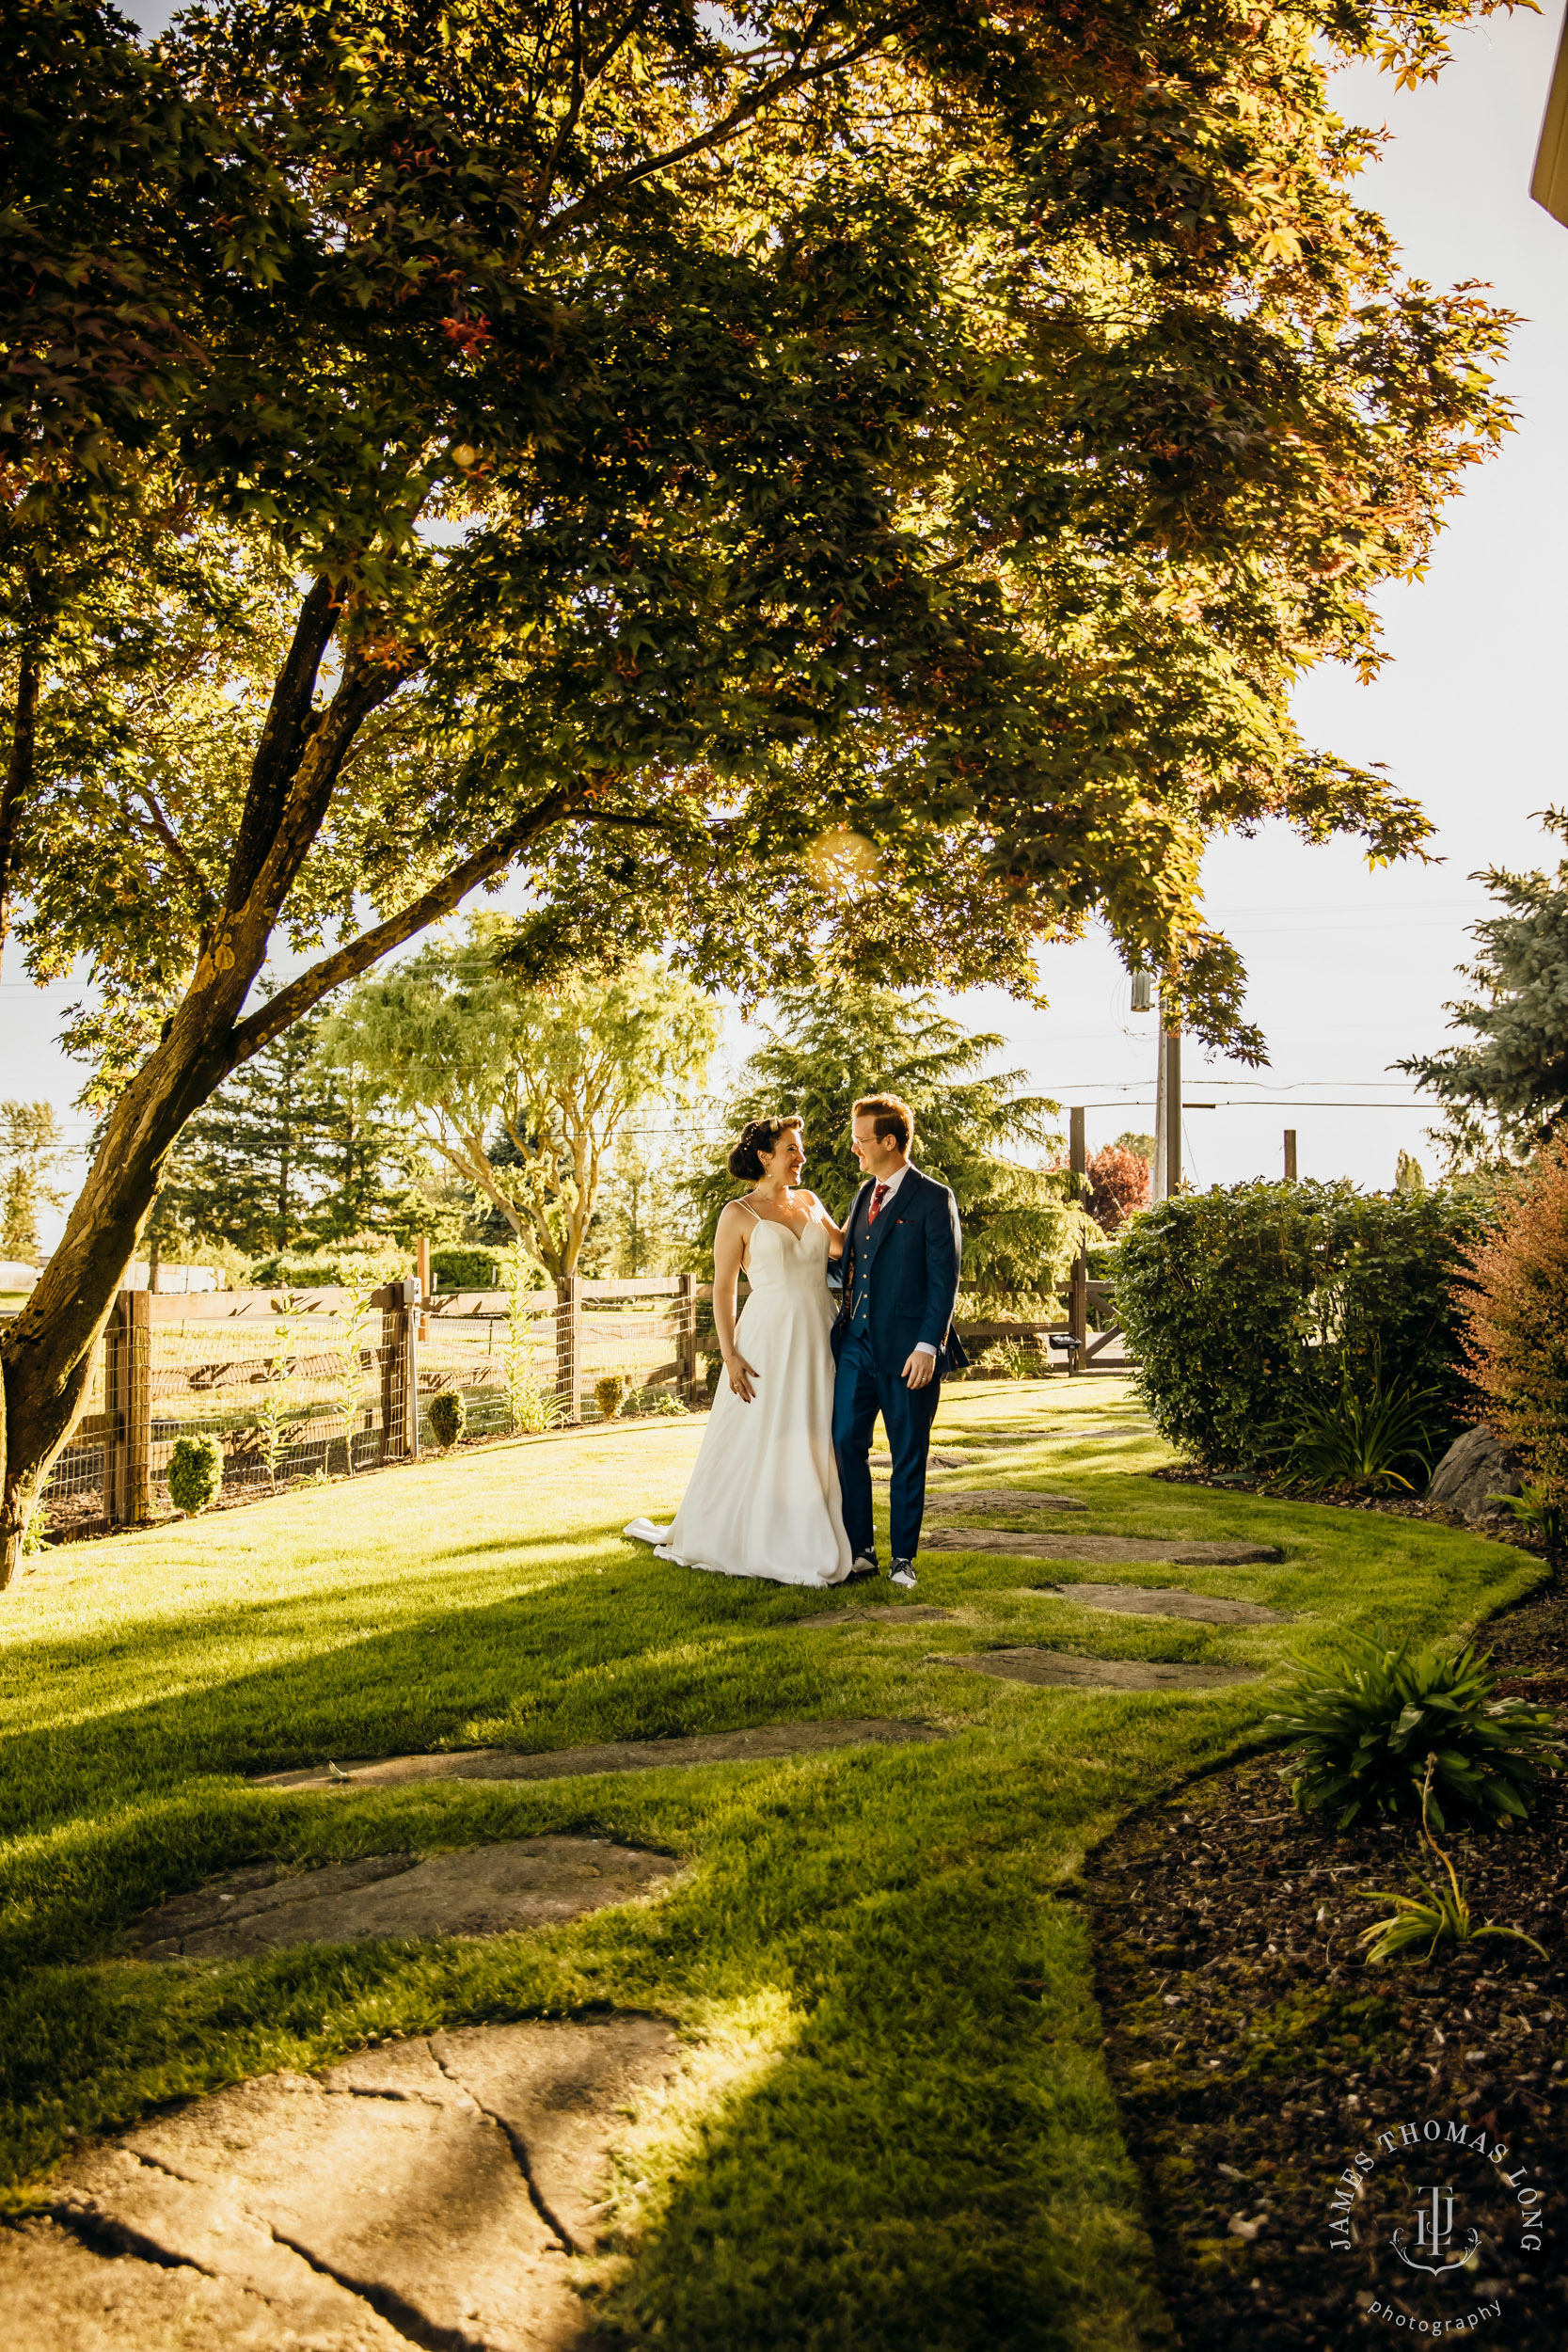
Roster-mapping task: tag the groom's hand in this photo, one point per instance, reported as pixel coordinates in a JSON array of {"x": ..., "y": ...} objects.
[{"x": 919, "y": 1367}]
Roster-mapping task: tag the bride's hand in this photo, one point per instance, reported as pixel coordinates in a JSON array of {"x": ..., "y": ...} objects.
[{"x": 741, "y": 1376}]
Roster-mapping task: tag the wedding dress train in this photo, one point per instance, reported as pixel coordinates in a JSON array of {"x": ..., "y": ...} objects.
[{"x": 763, "y": 1498}]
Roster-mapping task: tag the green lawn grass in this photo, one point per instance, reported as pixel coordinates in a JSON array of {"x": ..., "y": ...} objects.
[{"x": 898, "y": 2129}]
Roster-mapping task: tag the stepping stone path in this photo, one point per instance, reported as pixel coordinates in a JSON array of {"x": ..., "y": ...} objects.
[
  {"x": 1167, "y": 1600},
  {"x": 481, "y": 1890},
  {"x": 758, "y": 1744},
  {"x": 430, "y": 2191},
  {"x": 1130, "y": 1549},
  {"x": 908, "y": 1613},
  {"x": 1005, "y": 1499},
  {"x": 1060, "y": 1667}
]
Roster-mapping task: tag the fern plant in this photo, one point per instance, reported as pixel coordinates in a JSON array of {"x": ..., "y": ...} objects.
[
  {"x": 1437, "y": 1916},
  {"x": 1365, "y": 1731}
]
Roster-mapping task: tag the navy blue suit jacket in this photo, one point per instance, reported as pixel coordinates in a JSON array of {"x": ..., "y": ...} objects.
[{"x": 915, "y": 1249}]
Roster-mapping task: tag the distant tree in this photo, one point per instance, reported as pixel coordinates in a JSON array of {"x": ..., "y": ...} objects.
[
  {"x": 824, "y": 1048},
  {"x": 1143, "y": 1145},
  {"x": 1118, "y": 1185},
  {"x": 289, "y": 1155},
  {"x": 638, "y": 1221},
  {"x": 32, "y": 1150},
  {"x": 1503, "y": 1094},
  {"x": 1409, "y": 1175},
  {"x": 522, "y": 1090}
]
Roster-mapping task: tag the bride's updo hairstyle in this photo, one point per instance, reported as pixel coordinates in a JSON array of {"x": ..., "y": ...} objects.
[{"x": 757, "y": 1137}]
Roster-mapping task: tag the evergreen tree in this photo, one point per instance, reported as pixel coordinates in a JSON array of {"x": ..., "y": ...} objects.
[
  {"x": 1504, "y": 1093},
  {"x": 825, "y": 1049},
  {"x": 288, "y": 1157}
]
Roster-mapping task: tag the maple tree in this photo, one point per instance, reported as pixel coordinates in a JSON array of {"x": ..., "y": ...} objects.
[{"x": 869, "y": 475}]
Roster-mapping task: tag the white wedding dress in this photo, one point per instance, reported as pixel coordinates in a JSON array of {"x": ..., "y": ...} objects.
[{"x": 763, "y": 1498}]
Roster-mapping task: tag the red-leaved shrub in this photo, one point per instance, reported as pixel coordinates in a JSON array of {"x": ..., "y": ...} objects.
[
  {"x": 1515, "y": 1315},
  {"x": 1119, "y": 1184}
]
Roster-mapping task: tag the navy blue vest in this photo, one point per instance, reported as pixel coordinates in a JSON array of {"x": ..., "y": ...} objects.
[{"x": 859, "y": 1303}]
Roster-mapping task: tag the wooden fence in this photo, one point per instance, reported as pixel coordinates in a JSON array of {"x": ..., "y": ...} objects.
[{"x": 301, "y": 1382}]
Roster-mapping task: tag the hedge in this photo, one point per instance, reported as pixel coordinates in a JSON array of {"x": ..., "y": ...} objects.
[{"x": 1238, "y": 1301}]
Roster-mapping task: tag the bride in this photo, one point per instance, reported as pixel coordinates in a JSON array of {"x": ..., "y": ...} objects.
[{"x": 763, "y": 1498}]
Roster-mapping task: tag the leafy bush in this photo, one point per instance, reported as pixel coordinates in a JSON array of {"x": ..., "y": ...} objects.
[
  {"x": 195, "y": 1473},
  {"x": 654, "y": 1401},
  {"x": 1385, "y": 1727},
  {"x": 1515, "y": 1307},
  {"x": 1364, "y": 1434},
  {"x": 465, "y": 1270},
  {"x": 449, "y": 1418},
  {"x": 1243, "y": 1304},
  {"x": 609, "y": 1393},
  {"x": 1013, "y": 1360}
]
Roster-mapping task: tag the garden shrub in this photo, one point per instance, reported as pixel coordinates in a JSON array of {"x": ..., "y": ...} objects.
[
  {"x": 449, "y": 1418},
  {"x": 465, "y": 1270},
  {"x": 1245, "y": 1303},
  {"x": 654, "y": 1401},
  {"x": 1514, "y": 1313},
  {"x": 609, "y": 1393},
  {"x": 195, "y": 1473}
]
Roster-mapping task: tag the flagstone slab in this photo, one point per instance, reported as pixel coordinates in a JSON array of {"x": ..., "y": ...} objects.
[
  {"x": 1005, "y": 1499},
  {"x": 758, "y": 1744},
  {"x": 430, "y": 2191},
  {"x": 480, "y": 1890},
  {"x": 1068, "y": 1672},
  {"x": 1173, "y": 1550},
  {"x": 908, "y": 1613},
  {"x": 1167, "y": 1600}
]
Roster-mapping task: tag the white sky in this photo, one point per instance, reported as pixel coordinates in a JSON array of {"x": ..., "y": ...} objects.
[{"x": 1349, "y": 970}]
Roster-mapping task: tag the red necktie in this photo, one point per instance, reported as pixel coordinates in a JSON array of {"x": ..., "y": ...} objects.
[{"x": 876, "y": 1200}]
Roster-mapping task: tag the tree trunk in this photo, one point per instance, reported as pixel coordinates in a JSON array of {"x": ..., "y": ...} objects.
[{"x": 18, "y": 784}]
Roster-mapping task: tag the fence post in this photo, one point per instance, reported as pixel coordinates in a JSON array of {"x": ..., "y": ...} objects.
[
  {"x": 398, "y": 1356},
  {"x": 686, "y": 1339},
  {"x": 114, "y": 1356},
  {"x": 128, "y": 1399},
  {"x": 568, "y": 1345},
  {"x": 1078, "y": 1302}
]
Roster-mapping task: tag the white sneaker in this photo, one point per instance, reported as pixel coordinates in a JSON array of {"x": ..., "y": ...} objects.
[{"x": 902, "y": 1572}]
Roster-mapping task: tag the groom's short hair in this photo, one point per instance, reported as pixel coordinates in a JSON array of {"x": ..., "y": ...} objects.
[{"x": 894, "y": 1121}]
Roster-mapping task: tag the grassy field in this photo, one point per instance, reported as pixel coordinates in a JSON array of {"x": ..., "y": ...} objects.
[{"x": 898, "y": 2130}]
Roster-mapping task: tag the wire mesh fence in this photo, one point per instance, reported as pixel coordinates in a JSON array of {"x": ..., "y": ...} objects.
[{"x": 322, "y": 1383}]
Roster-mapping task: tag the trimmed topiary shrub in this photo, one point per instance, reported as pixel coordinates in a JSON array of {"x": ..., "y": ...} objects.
[
  {"x": 449, "y": 1418},
  {"x": 609, "y": 1393},
  {"x": 1245, "y": 1305},
  {"x": 195, "y": 1473}
]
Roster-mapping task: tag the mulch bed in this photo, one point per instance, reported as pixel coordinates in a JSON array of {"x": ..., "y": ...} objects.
[{"x": 1255, "y": 2053}]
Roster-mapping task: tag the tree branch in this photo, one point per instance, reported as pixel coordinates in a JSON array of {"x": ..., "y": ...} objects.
[
  {"x": 795, "y": 77},
  {"x": 176, "y": 848},
  {"x": 282, "y": 739},
  {"x": 291, "y": 1003}
]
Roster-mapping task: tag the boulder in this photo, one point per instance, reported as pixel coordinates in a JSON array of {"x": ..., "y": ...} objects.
[{"x": 1474, "y": 1468}]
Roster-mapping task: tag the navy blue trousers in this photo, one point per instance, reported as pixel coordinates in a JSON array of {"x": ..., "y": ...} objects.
[{"x": 860, "y": 1392}]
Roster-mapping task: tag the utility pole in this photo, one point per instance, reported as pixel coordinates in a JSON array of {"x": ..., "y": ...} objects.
[
  {"x": 1078, "y": 1304},
  {"x": 1172, "y": 1102},
  {"x": 1290, "y": 1156}
]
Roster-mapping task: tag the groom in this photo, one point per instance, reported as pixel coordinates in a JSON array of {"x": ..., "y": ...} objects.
[{"x": 893, "y": 1338}]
